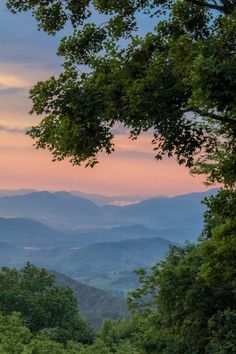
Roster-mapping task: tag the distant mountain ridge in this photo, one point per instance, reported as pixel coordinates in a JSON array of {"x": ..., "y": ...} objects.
[
  {"x": 25, "y": 232},
  {"x": 99, "y": 199},
  {"x": 99, "y": 245},
  {"x": 60, "y": 209},
  {"x": 123, "y": 255},
  {"x": 64, "y": 210},
  {"x": 169, "y": 213},
  {"x": 119, "y": 200},
  {"x": 113, "y": 234}
]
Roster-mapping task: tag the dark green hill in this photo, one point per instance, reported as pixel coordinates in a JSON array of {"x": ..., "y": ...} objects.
[{"x": 95, "y": 305}]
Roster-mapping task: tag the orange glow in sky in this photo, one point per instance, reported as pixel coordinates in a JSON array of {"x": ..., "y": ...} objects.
[{"x": 28, "y": 57}]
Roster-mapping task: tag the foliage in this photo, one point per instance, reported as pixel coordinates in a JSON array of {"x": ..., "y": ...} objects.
[
  {"x": 44, "y": 307},
  {"x": 113, "y": 332},
  {"x": 16, "y": 338},
  {"x": 44, "y": 346},
  {"x": 188, "y": 301},
  {"x": 94, "y": 304},
  {"x": 178, "y": 80},
  {"x": 13, "y": 334},
  {"x": 222, "y": 329},
  {"x": 219, "y": 166}
]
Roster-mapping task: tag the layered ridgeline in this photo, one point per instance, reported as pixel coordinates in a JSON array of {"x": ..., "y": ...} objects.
[
  {"x": 59, "y": 209},
  {"x": 108, "y": 265},
  {"x": 174, "y": 217},
  {"x": 99, "y": 199},
  {"x": 99, "y": 245}
]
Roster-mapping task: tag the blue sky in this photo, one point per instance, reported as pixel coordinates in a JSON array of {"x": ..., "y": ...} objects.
[{"x": 27, "y": 56}]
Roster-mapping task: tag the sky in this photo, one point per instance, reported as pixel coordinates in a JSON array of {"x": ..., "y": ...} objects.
[{"x": 27, "y": 56}]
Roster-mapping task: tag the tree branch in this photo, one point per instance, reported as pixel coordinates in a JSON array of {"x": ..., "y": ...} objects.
[
  {"x": 209, "y": 5},
  {"x": 228, "y": 6},
  {"x": 214, "y": 116}
]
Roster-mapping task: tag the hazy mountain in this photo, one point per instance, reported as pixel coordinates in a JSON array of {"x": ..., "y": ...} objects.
[
  {"x": 114, "y": 256},
  {"x": 115, "y": 234},
  {"x": 59, "y": 209},
  {"x": 62, "y": 208},
  {"x": 29, "y": 233},
  {"x": 95, "y": 305},
  {"x": 177, "y": 218},
  {"x": 180, "y": 206},
  {"x": 97, "y": 258},
  {"x": 101, "y": 200},
  {"x": 99, "y": 245},
  {"x": 108, "y": 265},
  {"x": 25, "y": 232}
]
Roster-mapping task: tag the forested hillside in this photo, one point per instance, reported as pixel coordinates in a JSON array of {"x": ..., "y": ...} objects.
[{"x": 94, "y": 305}]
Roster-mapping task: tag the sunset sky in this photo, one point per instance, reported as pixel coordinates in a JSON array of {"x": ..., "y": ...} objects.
[{"x": 27, "y": 56}]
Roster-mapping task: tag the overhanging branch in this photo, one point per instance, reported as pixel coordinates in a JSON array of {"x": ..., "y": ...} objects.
[
  {"x": 212, "y": 115},
  {"x": 208, "y": 5}
]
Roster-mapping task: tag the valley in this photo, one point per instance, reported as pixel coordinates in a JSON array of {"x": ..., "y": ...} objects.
[{"x": 100, "y": 245}]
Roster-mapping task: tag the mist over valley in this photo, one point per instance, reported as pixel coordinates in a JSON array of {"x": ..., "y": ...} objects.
[{"x": 99, "y": 244}]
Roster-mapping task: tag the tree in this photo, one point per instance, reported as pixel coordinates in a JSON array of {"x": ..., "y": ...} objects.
[
  {"x": 178, "y": 80},
  {"x": 14, "y": 336},
  {"x": 188, "y": 302},
  {"x": 44, "y": 307}
]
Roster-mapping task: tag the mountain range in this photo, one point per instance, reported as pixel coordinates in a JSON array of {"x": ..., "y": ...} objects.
[
  {"x": 99, "y": 199},
  {"x": 62, "y": 210},
  {"x": 100, "y": 245}
]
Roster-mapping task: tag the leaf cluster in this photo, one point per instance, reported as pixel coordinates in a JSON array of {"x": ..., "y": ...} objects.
[
  {"x": 177, "y": 81},
  {"x": 193, "y": 310},
  {"x": 44, "y": 308}
]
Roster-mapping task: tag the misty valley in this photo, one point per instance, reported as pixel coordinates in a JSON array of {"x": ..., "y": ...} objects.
[{"x": 97, "y": 244}]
